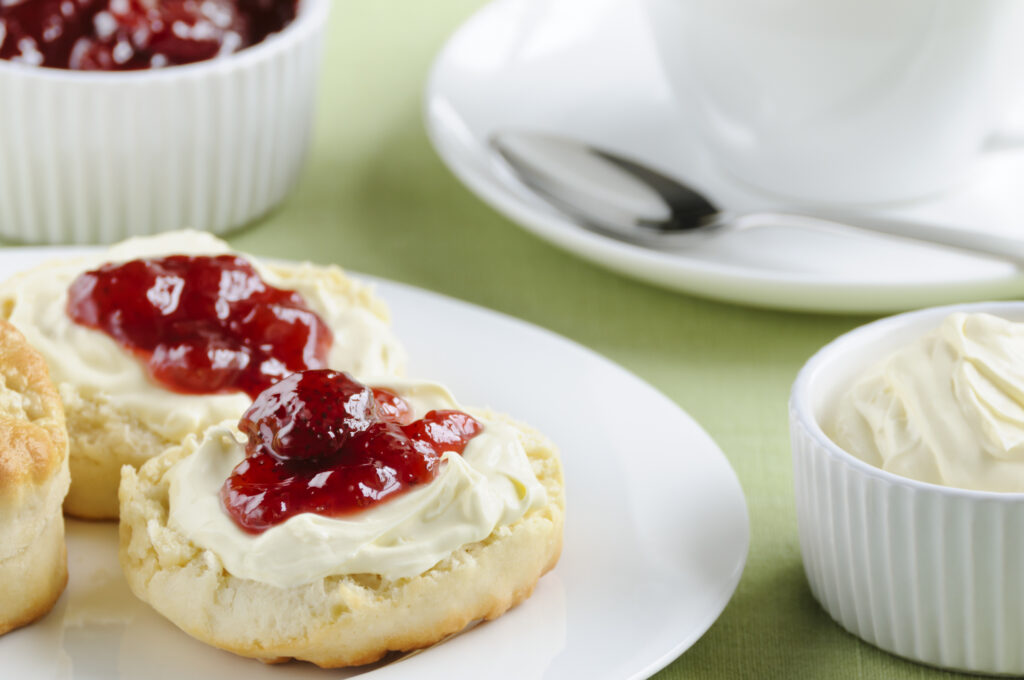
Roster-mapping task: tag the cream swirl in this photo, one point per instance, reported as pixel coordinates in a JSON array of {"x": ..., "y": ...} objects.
[
  {"x": 492, "y": 484},
  {"x": 947, "y": 409},
  {"x": 95, "y": 366}
]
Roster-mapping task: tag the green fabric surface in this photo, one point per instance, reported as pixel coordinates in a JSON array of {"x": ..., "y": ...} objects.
[{"x": 375, "y": 198}]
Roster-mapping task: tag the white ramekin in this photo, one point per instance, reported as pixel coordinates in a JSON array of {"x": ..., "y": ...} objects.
[
  {"x": 931, "y": 573},
  {"x": 97, "y": 157}
]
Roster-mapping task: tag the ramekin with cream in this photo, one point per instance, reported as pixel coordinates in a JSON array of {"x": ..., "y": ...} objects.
[{"x": 928, "y": 567}]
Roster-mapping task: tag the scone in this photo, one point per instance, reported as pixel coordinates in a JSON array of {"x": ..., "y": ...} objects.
[
  {"x": 233, "y": 563},
  {"x": 117, "y": 413},
  {"x": 33, "y": 482}
]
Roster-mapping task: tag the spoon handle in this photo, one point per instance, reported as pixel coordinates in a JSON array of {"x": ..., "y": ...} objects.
[{"x": 1007, "y": 248}]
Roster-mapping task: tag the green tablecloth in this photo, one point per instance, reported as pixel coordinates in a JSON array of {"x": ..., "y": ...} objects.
[{"x": 376, "y": 199}]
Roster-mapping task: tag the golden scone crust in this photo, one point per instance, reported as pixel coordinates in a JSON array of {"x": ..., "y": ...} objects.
[
  {"x": 339, "y": 620},
  {"x": 105, "y": 435},
  {"x": 33, "y": 483},
  {"x": 33, "y": 438}
]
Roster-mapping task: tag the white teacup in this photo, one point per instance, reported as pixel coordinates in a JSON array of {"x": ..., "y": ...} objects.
[{"x": 850, "y": 101}]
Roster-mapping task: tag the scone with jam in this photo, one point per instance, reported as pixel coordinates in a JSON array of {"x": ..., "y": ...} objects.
[
  {"x": 339, "y": 522},
  {"x": 158, "y": 338},
  {"x": 33, "y": 482}
]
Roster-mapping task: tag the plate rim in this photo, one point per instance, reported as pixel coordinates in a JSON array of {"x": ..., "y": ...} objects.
[{"x": 729, "y": 587}]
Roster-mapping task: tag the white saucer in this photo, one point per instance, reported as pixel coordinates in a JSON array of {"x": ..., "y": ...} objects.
[
  {"x": 648, "y": 563},
  {"x": 587, "y": 68}
]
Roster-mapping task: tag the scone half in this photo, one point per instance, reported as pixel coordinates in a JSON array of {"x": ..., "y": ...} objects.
[
  {"x": 342, "y": 619},
  {"x": 33, "y": 481},
  {"x": 116, "y": 414}
]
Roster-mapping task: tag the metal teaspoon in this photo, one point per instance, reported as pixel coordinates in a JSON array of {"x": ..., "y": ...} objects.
[{"x": 624, "y": 199}]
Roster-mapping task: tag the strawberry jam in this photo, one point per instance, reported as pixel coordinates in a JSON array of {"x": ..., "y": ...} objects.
[
  {"x": 320, "y": 442},
  {"x": 202, "y": 324},
  {"x": 122, "y": 35}
]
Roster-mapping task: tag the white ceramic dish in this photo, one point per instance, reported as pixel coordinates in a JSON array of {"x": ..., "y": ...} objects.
[
  {"x": 587, "y": 68},
  {"x": 89, "y": 157},
  {"x": 649, "y": 561},
  {"x": 928, "y": 572},
  {"x": 832, "y": 101}
]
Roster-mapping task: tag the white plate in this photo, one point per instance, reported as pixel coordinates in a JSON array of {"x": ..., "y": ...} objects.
[
  {"x": 587, "y": 68},
  {"x": 655, "y": 539}
]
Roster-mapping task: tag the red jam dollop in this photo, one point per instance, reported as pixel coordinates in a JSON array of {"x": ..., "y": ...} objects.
[
  {"x": 320, "y": 442},
  {"x": 202, "y": 324},
  {"x": 128, "y": 35}
]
